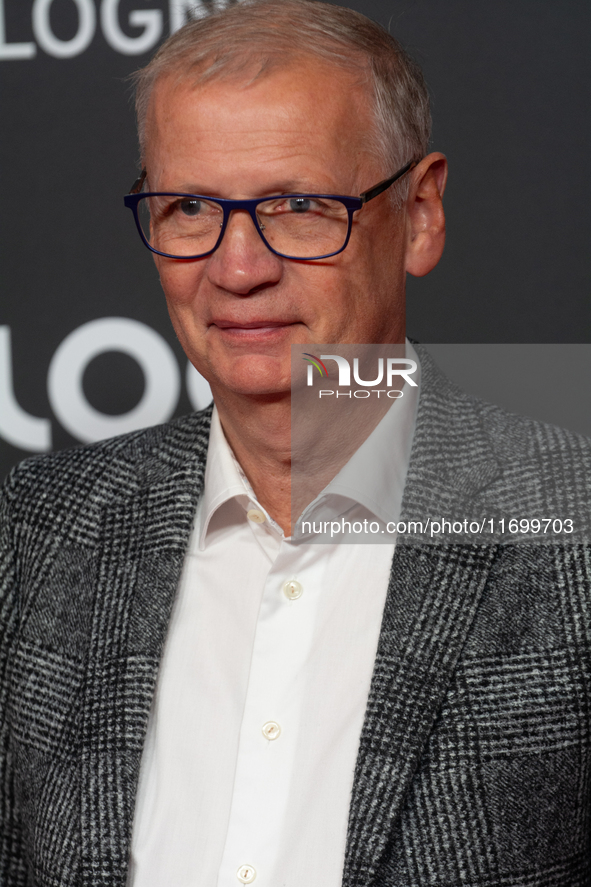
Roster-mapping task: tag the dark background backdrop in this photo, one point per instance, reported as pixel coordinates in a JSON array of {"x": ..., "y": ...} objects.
[{"x": 510, "y": 88}]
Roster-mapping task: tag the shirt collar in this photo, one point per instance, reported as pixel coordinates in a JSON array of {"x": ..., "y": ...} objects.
[
  {"x": 373, "y": 477},
  {"x": 224, "y": 479}
]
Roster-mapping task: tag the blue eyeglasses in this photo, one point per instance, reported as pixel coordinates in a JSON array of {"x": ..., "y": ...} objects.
[{"x": 294, "y": 226}]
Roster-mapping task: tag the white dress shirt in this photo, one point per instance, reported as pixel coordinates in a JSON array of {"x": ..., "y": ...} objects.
[{"x": 248, "y": 765}]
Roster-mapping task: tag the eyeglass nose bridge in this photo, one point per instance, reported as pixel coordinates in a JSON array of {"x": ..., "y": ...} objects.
[{"x": 249, "y": 206}]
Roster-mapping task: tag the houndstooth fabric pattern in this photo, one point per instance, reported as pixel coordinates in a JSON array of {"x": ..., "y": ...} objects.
[
  {"x": 93, "y": 542},
  {"x": 474, "y": 760},
  {"x": 473, "y": 765}
]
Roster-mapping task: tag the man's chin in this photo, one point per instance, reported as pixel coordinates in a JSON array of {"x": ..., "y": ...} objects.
[
  {"x": 260, "y": 392},
  {"x": 256, "y": 378}
]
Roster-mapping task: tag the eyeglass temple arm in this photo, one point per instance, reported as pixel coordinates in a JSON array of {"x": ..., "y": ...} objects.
[
  {"x": 139, "y": 183},
  {"x": 381, "y": 186}
]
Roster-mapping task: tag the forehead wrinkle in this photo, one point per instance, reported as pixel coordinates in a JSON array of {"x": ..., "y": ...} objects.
[{"x": 265, "y": 140}]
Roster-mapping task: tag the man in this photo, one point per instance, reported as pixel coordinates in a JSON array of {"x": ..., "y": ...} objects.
[{"x": 399, "y": 714}]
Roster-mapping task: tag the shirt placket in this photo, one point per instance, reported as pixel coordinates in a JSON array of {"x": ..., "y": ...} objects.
[{"x": 268, "y": 735}]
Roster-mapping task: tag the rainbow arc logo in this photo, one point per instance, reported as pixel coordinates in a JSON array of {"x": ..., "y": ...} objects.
[{"x": 315, "y": 361}]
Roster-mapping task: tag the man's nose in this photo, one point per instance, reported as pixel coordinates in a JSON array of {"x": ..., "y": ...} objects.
[{"x": 242, "y": 263}]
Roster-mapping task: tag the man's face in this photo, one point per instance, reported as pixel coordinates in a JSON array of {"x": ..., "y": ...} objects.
[{"x": 237, "y": 311}]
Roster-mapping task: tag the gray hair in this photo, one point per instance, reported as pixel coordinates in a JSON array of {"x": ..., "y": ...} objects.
[{"x": 272, "y": 33}]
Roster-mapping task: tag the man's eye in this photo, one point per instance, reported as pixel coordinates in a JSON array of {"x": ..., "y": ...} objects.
[
  {"x": 300, "y": 204},
  {"x": 190, "y": 206}
]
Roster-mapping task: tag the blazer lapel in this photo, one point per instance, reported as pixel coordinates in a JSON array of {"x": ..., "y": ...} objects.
[
  {"x": 146, "y": 522},
  {"x": 432, "y": 597}
]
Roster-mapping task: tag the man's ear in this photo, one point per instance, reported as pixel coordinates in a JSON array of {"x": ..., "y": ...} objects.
[{"x": 425, "y": 217}]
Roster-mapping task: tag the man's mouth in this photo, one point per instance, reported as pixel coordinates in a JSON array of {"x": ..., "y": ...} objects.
[{"x": 253, "y": 330}]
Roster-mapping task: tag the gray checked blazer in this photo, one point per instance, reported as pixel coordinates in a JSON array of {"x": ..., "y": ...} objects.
[{"x": 474, "y": 759}]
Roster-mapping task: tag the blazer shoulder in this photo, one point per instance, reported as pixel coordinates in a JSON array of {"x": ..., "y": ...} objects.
[
  {"x": 512, "y": 437},
  {"x": 542, "y": 465},
  {"x": 467, "y": 452},
  {"x": 48, "y": 487}
]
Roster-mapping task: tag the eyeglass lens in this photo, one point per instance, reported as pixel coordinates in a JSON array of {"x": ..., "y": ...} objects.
[{"x": 298, "y": 227}]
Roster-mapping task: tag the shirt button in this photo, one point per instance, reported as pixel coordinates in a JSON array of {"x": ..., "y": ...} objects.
[
  {"x": 292, "y": 590},
  {"x": 271, "y": 730},
  {"x": 246, "y": 874},
  {"x": 257, "y": 517}
]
